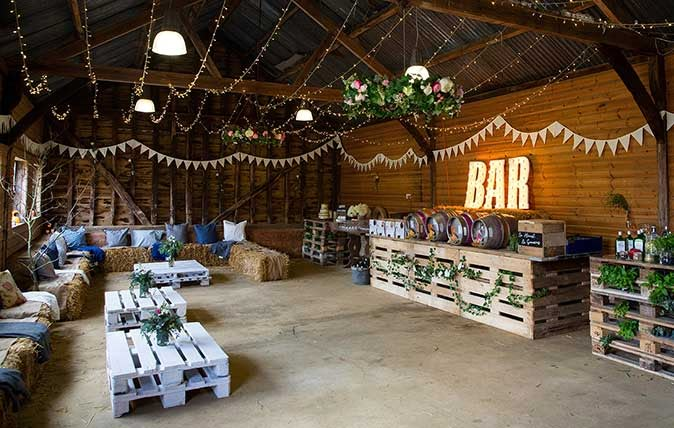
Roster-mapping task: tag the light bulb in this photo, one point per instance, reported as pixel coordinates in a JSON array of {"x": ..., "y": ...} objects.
[
  {"x": 144, "y": 105},
  {"x": 304, "y": 115},
  {"x": 170, "y": 43}
]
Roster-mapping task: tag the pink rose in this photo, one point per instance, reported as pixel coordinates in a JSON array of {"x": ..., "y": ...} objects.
[
  {"x": 385, "y": 82},
  {"x": 265, "y": 133},
  {"x": 356, "y": 84},
  {"x": 157, "y": 311},
  {"x": 436, "y": 87},
  {"x": 230, "y": 133},
  {"x": 255, "y": 136}
]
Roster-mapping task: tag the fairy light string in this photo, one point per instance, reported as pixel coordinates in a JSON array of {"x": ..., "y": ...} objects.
[
  {"x": 34, "y": 87},
  {"x": 90, "y": 69}
]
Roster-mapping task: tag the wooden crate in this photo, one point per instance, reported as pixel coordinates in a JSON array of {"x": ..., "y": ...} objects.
[
  {"x": 324, "y": 246},
  {"x": 646, "y": 351},
  {"x": 564, "y": 308},
  {"x": 541, "y": 238}
]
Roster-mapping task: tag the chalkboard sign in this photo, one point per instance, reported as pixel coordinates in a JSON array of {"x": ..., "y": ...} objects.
[{"x": 530, "y": 239}]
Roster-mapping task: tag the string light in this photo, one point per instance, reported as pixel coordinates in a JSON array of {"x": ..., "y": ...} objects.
[
  {"x": 197, "y": 117},
  {"x": 446, "y": 41},
  {"x": 33, "y": 88},
  {"x": 138, "y": 87},
  {"x": 61, "y": 116},
  {"x": 90, "y": 70}
]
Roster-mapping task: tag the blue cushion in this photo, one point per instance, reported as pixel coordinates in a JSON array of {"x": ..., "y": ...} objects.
[
  {"x": 156, "y": 255},
  {"x": 206, "y": 233},
  {"x": 52, "y": 252},
  {"x": 117, "y": 237},
  {"x": 178, "y": 231},
  {"x": 74, "y": 237},
  {"x": 145, "y": 238}
]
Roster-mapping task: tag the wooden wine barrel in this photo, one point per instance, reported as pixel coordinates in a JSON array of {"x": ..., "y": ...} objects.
[
  {"x": 437, "y": 225},
  {"x": 493, "y": 231},
  {"x": 379, "y": 213},
  {"x": 461, "y": 228},
  {"x": 415, "y": 224}
]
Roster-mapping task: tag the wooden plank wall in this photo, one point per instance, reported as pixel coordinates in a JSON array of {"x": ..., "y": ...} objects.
[{"x": 566, "y": 183}]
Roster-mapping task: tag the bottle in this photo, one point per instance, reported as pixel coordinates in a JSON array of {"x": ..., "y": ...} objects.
[
  {"x": 640, "y": 240},
  {"x": 620, "y": 244},
  {"x": 629, "y": 241},
  {"x": 651, "y": 255}
]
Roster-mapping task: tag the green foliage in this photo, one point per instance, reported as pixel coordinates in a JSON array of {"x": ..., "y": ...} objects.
[
  {"x": 662, "y": 288},
  {"x": 238, "y": 135},
  {"x": 628, "y": 328},
  {"x": 605, "y": 341},
  {"x": 619, "y": 277},
  {"x": 170, "y": 247},
  {"x": 617, "y": 200},
  {"x": 164, "y": 324},
  {"x": 143, "y": 279},
  {"x": 660, "y": 331},
  {"x": 374, "y": 97},
  {"x": 664, "y": 244},
  {"x": 621, "y": 309}
]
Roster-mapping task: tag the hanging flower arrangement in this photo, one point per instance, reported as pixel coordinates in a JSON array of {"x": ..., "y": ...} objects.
[
  {"x": 238, "y": 135},
  {"x": 375, "y": 97}
]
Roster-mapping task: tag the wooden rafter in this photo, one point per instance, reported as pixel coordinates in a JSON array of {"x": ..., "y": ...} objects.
[
  {"x": 419, "y": 138},
  {"x": 614, "y": 10},
  {"x": 198, "y": 44},
  {"x": 122, "y": 193},
  {"x": 313, "y": 60},
  {"x": 182, "y": 80},
  {"x": 114, "y": 31},
  {"x": 76, "y": 17},
  {"x": 520, "y": 17},
  {"x": 353, "y": 45}
]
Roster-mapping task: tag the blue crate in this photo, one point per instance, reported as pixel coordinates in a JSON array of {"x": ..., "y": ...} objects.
[{"x": 583, "y": 245}]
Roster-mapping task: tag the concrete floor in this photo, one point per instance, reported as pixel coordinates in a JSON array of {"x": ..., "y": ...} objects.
[{"x": 316, "y": 351}]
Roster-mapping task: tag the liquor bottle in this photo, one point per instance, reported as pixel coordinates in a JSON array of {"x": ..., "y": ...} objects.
[
  {"x": 629, "y": 241},
  {"x": 620, "y": 244},
  {"x": 640, "y": 240},
  {"x": 651, "y": 255}
]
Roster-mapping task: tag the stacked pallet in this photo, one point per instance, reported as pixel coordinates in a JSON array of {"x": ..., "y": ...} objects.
[
  {"x": 323, "y": 245},
  {"x": 652, "y": 347},
  {"x": 561, "y": 286}
]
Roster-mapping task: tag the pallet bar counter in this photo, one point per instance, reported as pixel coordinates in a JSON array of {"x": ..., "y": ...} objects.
[{"x": 529, "y": 296}]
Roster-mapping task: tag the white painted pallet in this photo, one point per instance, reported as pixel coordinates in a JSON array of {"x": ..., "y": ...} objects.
[
  {"x": 125, "y": 309},
  {"x": 140, "y": 369},
  {"x": 183, "y": 271}
]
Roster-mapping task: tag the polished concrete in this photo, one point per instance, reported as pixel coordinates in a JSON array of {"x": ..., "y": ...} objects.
[{"x": 316, "y": 351}]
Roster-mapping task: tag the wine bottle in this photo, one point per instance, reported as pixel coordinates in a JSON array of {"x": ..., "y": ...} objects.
[
  {"x": 620, "y": 244},
  {"x": 629, "y": 241},
  {"x": 640, "y": 241}
]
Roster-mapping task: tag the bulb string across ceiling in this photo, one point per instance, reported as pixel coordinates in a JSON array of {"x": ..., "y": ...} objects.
[
  {"x": 89, "y": 66},
  {"x": 34, "y": 88}
]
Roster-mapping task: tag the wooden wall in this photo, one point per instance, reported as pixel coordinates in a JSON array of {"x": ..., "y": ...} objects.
[{"x": 566, "y": 183}]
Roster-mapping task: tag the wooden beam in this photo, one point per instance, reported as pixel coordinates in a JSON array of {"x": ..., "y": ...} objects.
[
  {"x": 311, "y": 9},
  {"x": 336, "y": 175},
  {"x": 313, "y": 60},
  {"x": 270, "y": 204},
  {"x": 658, "y": 86},
  {"x": 476, "y": 45},
  {"x": 615, "y": 11},
  {"x": 188, "y": 180},
  {"x": 76, "y": 17},
  {"x": 114, "y": 31},
  {"x": 198, "y": 44},
  {"x": 92, "y": 195},
  {"x": 250, "y": 195},
  {"x": 123, "y": 194},
  {"x": 204, "y": 177},
  {"x": 419, "y": 138},
  {"x": 70, "y": 195},
  {"x": 106, "y": 73},
  {"x": 57, "y": 97},
  {"x": 520, "y": 17}
]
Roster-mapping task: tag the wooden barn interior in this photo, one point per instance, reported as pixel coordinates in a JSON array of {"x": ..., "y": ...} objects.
[{"x": 336, "y": 213}]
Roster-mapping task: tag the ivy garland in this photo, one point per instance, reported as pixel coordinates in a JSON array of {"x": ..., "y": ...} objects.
[{"x": 406, "y": 269}]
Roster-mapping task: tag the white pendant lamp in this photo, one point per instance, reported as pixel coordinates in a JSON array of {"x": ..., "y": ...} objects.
[
  {"x": 416, "y": 71},
  {"x": 169, "y": 41},
  {"x": 144, "y": 105},
  {"x": 304, "y": 115}
]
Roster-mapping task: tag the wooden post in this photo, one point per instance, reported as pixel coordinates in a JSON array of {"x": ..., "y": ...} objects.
[
  {"x": 237, "y": 187},
  {"x": 154, "y": 204},
  {"x": 94, "y": 176},
  {"x": 132, "y": 165},
  {"x": 205, "y": 180},
  {"x": 172, "y": 170},
  {"x": 251, "y": 178},
  {"x": 70, "y": 196},
  {"x": 270, "y": 205},
  {"x": 658, "y": 87},
  {"x": 303, "y": 184},
  {"x": 286, "y": 189},
  {"x": 188, "y": 180},
  {"x": 319, "y": 179},
  {"x": 336, "y": 177},
  {"x": 433, "y": 167}
]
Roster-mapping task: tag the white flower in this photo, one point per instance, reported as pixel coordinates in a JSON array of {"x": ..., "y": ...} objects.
[
  {"x": 446, "y": 84},
  {"x": 428, "y": 90},
  {"x": 359, "y": 98},
  {"x": 362, "y": 88}
]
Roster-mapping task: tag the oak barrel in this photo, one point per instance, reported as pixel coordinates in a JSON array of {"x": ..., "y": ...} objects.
[
  {"x": 437, "y": 225},
  {"x": 415, "y": 224},
  {"x": 493, "y": 231},
  {"x": 461, "y": 228}
]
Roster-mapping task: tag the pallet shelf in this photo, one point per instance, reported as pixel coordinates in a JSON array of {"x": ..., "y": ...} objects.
[
  {"x": 323, "y": 245},
  {"x": 565, "y": 307},
  {"x": 654, "y": 354}
]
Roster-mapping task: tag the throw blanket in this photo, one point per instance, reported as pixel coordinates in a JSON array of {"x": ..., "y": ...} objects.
[
  {"x": 222, "y": 249},
  {"x": 12, "y": 385},
  {"x": 96, "y": 254},
  {"x": 35, "y": 331},
  {"x": 156, "y": 255}
]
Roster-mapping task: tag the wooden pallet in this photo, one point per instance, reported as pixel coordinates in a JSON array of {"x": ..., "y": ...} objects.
[
  {"x": 564, "y": 308},
  {"x": 125, "y": 309},
  {"x": 182, "y": 273},
  {"x": 645, "y": 351},
  {"x": 139, "y": 369}
]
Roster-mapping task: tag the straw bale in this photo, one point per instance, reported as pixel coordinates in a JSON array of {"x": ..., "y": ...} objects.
[
  {"x": 76, "y": 297},
  {"x": 260, "y": 263},
  {"x": 202, "y": 254},
  {"x": 122, "y": 259}
]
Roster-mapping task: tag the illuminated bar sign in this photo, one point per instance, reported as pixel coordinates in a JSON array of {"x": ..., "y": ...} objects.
[{"x": 493, "y": 194}]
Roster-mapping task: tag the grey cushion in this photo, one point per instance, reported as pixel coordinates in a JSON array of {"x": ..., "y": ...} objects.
[
  {"x": 145, "y": 238},
  {"x": 43, "y": 266},
  {"x": 178, "y": 231},
  {"x": 117, "y": 237},
  {"x": 61, "y": 247}
]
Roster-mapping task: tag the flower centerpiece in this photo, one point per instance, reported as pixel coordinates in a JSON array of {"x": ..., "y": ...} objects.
[
  {"x": 377, "y": 97},
  {"x": 143, "y": 279},
  {"x": 358, "y": 211},
  {"x": 170, "y": 248},
  {"x": 250, "y": 135},
  {"x": 164, "y": 324}
]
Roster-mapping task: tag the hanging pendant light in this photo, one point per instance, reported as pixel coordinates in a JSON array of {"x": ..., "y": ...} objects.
[
  {"x": 144, "y": 105},
  {"x": 169, "y": 41},
  {"x": 304, "y": 115},
  {"x": 415, "y": 70}
]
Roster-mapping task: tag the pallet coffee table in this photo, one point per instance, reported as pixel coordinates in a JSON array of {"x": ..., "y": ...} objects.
[
  {"x": 182, "y": 271},
  {"x": 125, "y": 309},
  {"x": 140, "y": 369}
]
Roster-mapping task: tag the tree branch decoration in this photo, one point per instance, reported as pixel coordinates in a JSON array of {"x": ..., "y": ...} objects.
[
  {"x": 374, "y": 97},
  {"x": 237, "y": 135}
]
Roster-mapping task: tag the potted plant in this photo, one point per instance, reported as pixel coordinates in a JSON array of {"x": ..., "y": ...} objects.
[
  {"x": 664, "y": 245},
  {"x": 164, "y": 324},
  {"x": 360, "y": 272},
  {"x": 143, "y": 279},
  {"x": 170, "y": 248}
]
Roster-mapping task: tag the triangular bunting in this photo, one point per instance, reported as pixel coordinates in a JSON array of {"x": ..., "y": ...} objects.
[
  {"x": 588, "y": 145},
  {"x": 499, "y": 121},
  {"x": 516, "y": 134},
  {"x": 555, "y": 128},
  {"x": 490, "y": 128},
  {"x": 638, "y": 136},
  {"x": 613, "y": 145},
  {"x": 144, "y": 148},
  {"x": 508, "y": 128},
  {"x": 462, "y": 148},
  {"x": 600, "y": 146},
  {"x": 577, "y": 139},
  {"x": 72, "y": 151},
  {"x": 113, "y": 150},
  {"x": 543, "y": 134},
  {"x": 567, "y": 134},
  {"x": 625, "y": 142}
]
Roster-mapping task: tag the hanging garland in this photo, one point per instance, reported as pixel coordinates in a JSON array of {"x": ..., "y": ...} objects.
[
  {"x": 394, "y": 98},
  {"x": 238, "y": 135}
]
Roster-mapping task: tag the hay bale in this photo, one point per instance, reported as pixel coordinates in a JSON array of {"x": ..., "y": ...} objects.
[
  {"x": 122, "y": 259},
  {"x": 202, "y": 254},
  {"x": 76, "y": 296},
  {"x": 260, "y": 263}
]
